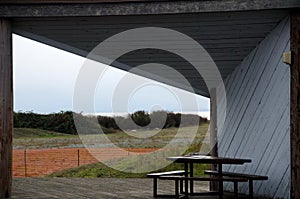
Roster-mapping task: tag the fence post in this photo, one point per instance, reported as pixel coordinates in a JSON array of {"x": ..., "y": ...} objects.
[
  {"x": 78, "y": 158},
  {"x": 25, "y": 163}
]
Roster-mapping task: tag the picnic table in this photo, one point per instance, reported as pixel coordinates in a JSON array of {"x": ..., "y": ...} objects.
[{"x": 190, "y": 160}]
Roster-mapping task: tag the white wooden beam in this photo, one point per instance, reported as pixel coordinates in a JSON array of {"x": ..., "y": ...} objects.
[{"x": 213, "y": 132}]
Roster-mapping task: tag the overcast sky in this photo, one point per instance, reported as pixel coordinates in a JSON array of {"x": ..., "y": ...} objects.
[{"x": 44, "y": 79}]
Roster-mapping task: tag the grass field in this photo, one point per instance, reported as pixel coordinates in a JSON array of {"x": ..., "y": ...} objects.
[
  {"x": 39, "y": 139},
  {"x": 99, "y": 170},
  {"x": 26, "y": 138},
  {"x": 22, "y": 133}
]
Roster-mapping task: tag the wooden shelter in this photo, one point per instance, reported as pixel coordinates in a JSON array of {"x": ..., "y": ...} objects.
[{"x": 246, "y": 39}]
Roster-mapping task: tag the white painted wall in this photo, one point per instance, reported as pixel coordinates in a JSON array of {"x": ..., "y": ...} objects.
[{"x": 257, "y": 123}]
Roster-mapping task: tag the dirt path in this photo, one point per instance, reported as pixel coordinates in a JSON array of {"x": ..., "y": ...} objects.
[{"x": 40, "y": 162}]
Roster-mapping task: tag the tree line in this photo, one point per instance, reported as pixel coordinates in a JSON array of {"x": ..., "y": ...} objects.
[{"x": 63, "y": 121}]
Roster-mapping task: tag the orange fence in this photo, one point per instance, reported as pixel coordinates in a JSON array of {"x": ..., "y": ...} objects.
[{"x": 40, "y": 162}]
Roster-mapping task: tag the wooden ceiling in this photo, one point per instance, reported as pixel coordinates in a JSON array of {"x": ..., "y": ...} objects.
[
  {"x": 69, "y": 1},
  {"x": 228, "y": 36}
]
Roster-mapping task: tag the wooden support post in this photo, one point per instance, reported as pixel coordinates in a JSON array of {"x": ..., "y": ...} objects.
[
  {"x": 213, "y": 133},
  {"x": 295, "y": 105},
  {"x": 6, "y": 117}
]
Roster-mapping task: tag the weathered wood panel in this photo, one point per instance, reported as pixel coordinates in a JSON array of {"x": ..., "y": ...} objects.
[
  {"x": 6, "y": 118},
  {"x": 257, "y": 123},
  {"x": 136, "y": 8},
  {"x": 295, "y": 105}
]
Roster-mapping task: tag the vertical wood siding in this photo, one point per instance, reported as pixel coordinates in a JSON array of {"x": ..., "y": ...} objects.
[{"x": 257, "y": 123}]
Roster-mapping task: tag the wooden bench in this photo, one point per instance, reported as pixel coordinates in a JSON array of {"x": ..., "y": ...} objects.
[
  {"x": 155, "y": 176},
  {"x": 250, "y": 178},
  {"x": 184, "y": 178}
]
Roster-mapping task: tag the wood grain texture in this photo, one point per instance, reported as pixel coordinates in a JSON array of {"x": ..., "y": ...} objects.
[
  {"x": 295, "y": 105},
  {"x": 257, "y": 123},
  {"x": 69, "y": 1},
  {"x": 246, "y": 4},
  {"x": 6, "y": 119},
  {"x": 18, "y": 8}
]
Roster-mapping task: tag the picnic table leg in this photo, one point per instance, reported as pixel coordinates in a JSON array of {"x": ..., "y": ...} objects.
[
  {"x": 181, "y": 186},
  {"x": 235, "y": 185},
  {"x": 191, "y": 181},
  {"x": 250, "y": 188},
  {"x": 186, "y": 184},
  {"x": 176, "y": 189},
  {"x": 220, "y": 182},
  {"x": 155, "y": 187}
]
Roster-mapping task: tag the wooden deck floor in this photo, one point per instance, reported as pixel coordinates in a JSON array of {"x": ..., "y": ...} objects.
[{"x": 96, "y": 188}]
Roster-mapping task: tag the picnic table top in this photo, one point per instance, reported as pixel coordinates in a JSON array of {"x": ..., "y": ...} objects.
[{"x": 208, "y": 159}]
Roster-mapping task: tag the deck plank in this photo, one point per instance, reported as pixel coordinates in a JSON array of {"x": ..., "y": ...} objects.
[{"x": 46, "y": 188}]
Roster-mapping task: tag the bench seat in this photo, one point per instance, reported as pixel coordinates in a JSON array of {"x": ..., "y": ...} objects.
[
  {"x": 155, "y": 176},
  {"x": 242, "y": 175},
  {"x": 250, "y": 178},
  {"x": 204, "y": 178}
]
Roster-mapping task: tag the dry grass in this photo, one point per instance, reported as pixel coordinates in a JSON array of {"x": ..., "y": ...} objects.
[{"x": 35, "y": 138}]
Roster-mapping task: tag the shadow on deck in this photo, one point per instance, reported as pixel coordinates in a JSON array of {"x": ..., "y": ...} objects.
[{"x": 96, "y": 188}]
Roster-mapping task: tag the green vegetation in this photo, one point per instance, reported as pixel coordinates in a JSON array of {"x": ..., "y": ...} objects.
[
  {"x": 37, "y": 138},
  {"x": 156, "y": 119},
  {"x": 99, "y": 170},
  {"x": 24, "y": 138},
  {"x": 34, "y": 133},
  {"x": 54, "y": 126},
  {"x": 58, "y": 122},
  {"x": 63, "y": 122}
]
